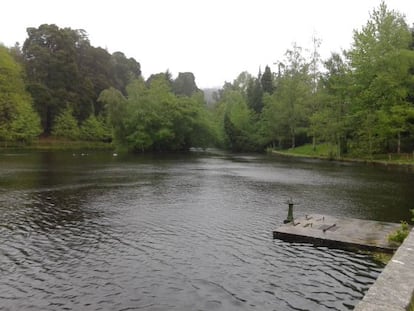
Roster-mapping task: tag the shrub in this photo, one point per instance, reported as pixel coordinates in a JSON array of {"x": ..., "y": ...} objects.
[
  {"x": 398, "y": 236},
  {"x": 95, "y": 129},
  {"x": 66, "y": 126}
]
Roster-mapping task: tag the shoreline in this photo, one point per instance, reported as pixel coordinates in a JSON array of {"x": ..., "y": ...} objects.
[
  {"x": 48, "y": 144},
  {"x": 391, "y": 163}
]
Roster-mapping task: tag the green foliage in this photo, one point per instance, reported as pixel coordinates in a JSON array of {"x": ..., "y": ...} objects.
[
  {"x": 362, "y": 105},
  {"x": 66, "y": 126},
  {"x": 185, "y": 84},
  {"x": 321, "y": 150},
  {"x": 254, "y": 94},
  {"x": 293, "y": 93},
  {"x": 412, "y": 214},
  {"x": 115, "y": 105},
  {"x": 95, "y": 129},
  {"x": 399, "y": 236},
  {"x": 382, "y": 61},
  {"x": 26, "y": 127},
  {"x": 18, "y": 121},
  {"x": 238, "y": 122},
  {"x": 124, "y": 70},
  {"x": 267, "y": 81},
  {"x": 63, "y": 70},
  {"x": 382, "y": 258},
  {"x": 153, "y": 118}
]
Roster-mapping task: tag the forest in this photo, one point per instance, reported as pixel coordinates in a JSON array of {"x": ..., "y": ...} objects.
[{"x": 359, "y": 101}]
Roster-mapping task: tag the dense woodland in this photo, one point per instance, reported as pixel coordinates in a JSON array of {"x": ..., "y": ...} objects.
[{"x": 359, "y": 101}]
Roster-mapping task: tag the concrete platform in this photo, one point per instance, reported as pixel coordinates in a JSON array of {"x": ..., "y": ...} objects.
[
  {"x": 339, "y": 232},
  {"x": 394, "y": 288}
]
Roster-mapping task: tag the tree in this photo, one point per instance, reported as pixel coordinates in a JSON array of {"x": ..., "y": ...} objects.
[
  {"x": 242, "y": 81},
  {"x": 272, "y": 125},
  {"x": 18, "y": 120},
  {"x": 314, "y": 102},
  {"x": 95, "y": 129},
  {"x": 185, "y": 84},
  {"x": 116, "y": 107},
  {"x": 152, "y": 118},
  {"x": 267, "y": 81},
  {"x": 330, "y": 122},
  {"x": 254, "y": 94},
  {"x": 64, "y": 70},
  {"x": 52, "y": 72},
  {"x": 124, "y": 70},
  {"x": 96, "y": 70},
  {"x": 293, "y": 93},
  {"x": 65, "y": 125},
  {"x": 238, "y": 122},
  {"x": 381, "y": 61}
]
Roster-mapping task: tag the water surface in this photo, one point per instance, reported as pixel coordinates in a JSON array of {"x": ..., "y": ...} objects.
[{"x": 182, "y": 232}]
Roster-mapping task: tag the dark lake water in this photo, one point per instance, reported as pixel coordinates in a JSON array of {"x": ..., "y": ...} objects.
[{"x": 183, "y": 232}]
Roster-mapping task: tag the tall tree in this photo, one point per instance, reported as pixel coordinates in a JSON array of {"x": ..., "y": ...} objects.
[
  {"x": 116, "y": 106},
  {"x": 254, "y": 94},
  {"x": 52, "y": 71},
  {"x": 381, "y": 59},
  {"x": 293, "y": 92},
  {"x": 330, "y": 121},
  {"x": 66, "y": 126},
  {"x": 185, "y": 84},
  {"x": 152, "y": 118},
  {"x": 18, "y": 120},
  {"x": 124, "y": 70},
  {"x": 238, "y": 123},
  {"x": 314, "y": 102},
  {"x": 64, "y": 70},
  {"x": 267, "y": 81}
]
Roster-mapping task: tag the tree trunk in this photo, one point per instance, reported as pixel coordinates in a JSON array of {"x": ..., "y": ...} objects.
[{"x": 399, "y": 143}]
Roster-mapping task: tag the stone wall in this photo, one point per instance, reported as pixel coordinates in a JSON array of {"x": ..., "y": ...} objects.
[{"x": 394, "y": 288}]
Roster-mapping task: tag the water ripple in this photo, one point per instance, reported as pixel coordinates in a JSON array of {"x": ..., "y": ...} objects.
[{"x": 166, "y": 235}]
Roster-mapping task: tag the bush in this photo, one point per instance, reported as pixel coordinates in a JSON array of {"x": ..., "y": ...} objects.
[
  {"x": 398, "y": 236},
  {"x": 66, "y": 126},
  {"x": 95, "y": 129}
]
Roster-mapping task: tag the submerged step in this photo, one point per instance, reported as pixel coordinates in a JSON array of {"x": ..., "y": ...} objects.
[{"x": 340, "y": 232}]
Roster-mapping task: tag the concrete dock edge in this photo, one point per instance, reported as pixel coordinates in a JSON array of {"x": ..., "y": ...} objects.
[{"x": 394, "y": 288}]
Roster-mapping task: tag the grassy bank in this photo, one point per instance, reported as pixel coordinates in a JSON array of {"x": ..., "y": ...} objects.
[
  {"x": 60, "y": 144},
  {"x": 328, "y": 152}
]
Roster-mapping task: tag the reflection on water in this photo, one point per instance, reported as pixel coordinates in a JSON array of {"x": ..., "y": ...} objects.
[{"x": 182, "y": 232}]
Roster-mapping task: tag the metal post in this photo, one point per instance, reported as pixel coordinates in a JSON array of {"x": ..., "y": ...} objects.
[{"x": 290, "y": 212}]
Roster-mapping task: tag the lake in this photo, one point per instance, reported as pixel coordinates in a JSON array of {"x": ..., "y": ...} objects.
[{"x": 183, "y": 231}]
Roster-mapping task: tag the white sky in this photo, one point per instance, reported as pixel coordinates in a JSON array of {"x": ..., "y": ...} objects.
[{"x": 214, "y": 39}]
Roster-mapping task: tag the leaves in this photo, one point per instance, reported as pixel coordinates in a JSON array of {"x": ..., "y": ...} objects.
[
  {"x": 152, "y": 118},
  {"x": 66, "y": 126},
  {"x": 64, "y": 70},
  {"x": 18, "y": 121},
  {"x": 381, "y": 61}
]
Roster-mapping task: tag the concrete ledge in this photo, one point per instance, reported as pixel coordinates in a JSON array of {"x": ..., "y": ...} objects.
[
  {"x": 394, "y": 288},
  {"x": 339, "y": 232}
]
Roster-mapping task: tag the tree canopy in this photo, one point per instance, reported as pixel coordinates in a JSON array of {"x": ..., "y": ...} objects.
[
  {"x": 64, "y": 70},
  {"x": 152, "y": 118},
  {"x": 18, "y": 120},
  {"x": 360, "y": 101}
]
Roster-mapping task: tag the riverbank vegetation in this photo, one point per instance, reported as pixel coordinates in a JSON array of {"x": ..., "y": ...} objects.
[
  {"x": 399, "y": 235},
  {"x": 358, "y": 103}
]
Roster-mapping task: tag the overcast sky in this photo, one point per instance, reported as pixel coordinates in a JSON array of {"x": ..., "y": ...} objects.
[{"x": 214, "y": 39}]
